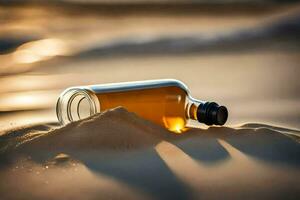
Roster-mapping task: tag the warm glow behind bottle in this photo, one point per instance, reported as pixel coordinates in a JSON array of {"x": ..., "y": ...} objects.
[{"x": 164, "y": 102}]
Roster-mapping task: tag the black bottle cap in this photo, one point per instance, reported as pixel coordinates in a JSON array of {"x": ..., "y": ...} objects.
[{"x": 210, "y": 113}]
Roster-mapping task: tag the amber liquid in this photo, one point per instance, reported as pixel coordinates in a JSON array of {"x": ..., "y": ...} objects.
[{"x": 164, "y": 105}]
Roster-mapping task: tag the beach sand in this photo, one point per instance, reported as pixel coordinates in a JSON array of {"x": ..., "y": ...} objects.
[
  {"x": 118, "y": 155},
  {"x": 245, "y": 57}
]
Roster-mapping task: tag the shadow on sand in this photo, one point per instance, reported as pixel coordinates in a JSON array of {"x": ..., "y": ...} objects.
[{"x": 145, "y": 169}]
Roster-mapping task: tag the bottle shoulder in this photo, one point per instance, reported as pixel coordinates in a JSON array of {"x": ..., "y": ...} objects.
[{"x": 137, "y": 85}]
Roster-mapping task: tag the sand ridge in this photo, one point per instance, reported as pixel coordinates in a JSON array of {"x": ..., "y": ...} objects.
[{"x": 113, "y": 129}]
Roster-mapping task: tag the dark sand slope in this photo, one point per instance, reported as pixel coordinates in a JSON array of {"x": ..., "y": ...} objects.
[{"x": 117, "y": 155}]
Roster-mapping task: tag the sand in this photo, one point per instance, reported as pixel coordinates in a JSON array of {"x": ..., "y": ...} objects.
[
  {"x": 116, "y": 129},
  {"x": 252, "y": 53},
  {"x": 118, "y": 155}
]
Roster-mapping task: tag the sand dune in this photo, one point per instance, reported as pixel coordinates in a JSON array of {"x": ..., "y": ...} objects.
[
  {"x": 115, "y": 129},
  {"x": 117, "y": 155}
]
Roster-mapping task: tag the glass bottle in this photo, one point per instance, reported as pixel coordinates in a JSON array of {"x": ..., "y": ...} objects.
[{"x": 166, "y": 102}]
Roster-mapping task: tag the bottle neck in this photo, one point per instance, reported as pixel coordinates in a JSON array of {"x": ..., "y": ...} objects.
[
  {"x": 209, "y": 113},
  {"x": 192, "y": 107}
]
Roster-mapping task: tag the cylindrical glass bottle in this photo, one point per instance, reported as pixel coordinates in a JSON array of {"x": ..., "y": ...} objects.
[{"x": 165, "y": 102}]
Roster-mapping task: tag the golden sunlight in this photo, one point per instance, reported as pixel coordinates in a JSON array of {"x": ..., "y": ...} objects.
[
  {"x": 40, "y": 50},
  {"x": 27, "y": 100},
  {"x": 175, "y": 124}
]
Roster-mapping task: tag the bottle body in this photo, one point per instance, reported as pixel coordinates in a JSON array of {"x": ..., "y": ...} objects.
[
  {"x": 164, "y": 102},
  {"x": 163, "y": 105}
]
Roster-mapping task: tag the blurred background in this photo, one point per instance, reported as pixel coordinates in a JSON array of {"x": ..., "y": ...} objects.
[{"x": 244, "y": 54}]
